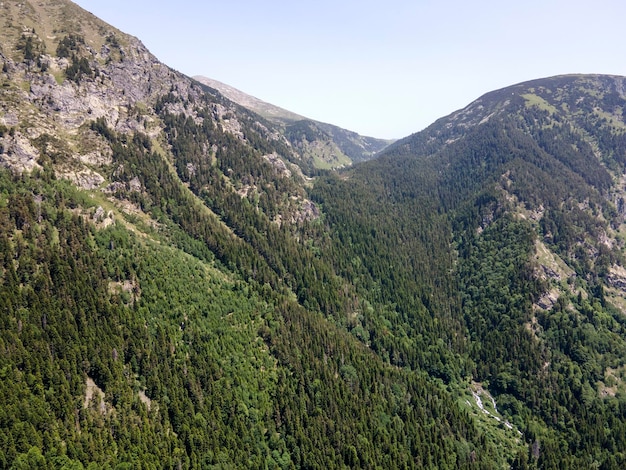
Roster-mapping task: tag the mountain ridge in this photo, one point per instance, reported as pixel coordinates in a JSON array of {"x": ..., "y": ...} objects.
[
  {"x": 530, "y": 179},
  {"x": 261, "y": 107},
  {"x": 153, "y": 255},
  {"x": 326, "y": 145}
]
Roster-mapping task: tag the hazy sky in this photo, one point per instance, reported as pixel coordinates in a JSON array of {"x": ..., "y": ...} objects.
[{"x": 381, "y": 68}]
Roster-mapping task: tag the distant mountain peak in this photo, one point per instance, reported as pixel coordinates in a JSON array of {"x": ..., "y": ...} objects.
[
  {"x": 321, "y": 145},
  {"x": 262, "y": 108}
]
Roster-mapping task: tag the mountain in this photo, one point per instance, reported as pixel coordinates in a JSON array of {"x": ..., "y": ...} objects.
[
  {"x": 163, "y": 303},
  {"x": 267, "y": 110},
  {"x": 321, "y": 145},
  {"x": 176, "y": 292},
  {"x": 493, "y": 241}
]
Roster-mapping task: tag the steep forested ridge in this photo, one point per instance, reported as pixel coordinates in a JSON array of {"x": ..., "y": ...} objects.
[
  {"x": 512, "y": 208},
  {"x": 176, "y": 293}
]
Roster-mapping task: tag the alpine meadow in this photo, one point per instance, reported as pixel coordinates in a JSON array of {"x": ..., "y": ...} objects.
[{"x": 190, "y": 280}]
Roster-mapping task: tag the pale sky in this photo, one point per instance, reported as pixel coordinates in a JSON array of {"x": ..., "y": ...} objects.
[{"x": 381, "y": 68}]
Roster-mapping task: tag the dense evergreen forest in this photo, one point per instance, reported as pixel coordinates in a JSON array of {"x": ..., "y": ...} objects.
[
  {"x": 190, "y": 364},
  {"x": 451, "y": 234},
  {"x": 180, "y": 288}
]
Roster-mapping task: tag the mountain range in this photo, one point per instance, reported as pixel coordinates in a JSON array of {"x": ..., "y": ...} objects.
[
  {"x": 191, "y": 278},
  {"x": 320, "y": 145}
]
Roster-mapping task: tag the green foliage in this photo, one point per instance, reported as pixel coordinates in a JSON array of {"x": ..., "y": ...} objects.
[
  {"x": 31, "y": 47},
  {"x": 79, "y": 68},
  {"x": 69, "y": 45},
  {"x": 389, "y": 244},
  {"x": 199, "y": 359},
  {"x": 72, "y": 47},
  {"x": 389, "y": 226},
  {"x": 217, "y": 328},
  {"x": 498, "y": 290}
]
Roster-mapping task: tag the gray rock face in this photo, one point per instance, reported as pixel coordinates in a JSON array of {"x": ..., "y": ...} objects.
[
  {"x": 548, "y": 300},
  {"x": 18, "y": 153},
  {"x": 85, "y": 178},
  {"x": 111, "y": 94},
  {"x": 47, "y": 112},
  {"x": 122, "y": 92},
  {"x": 278, "y": 164},
  {"x": 308, "y": 211},
  {"x": 617, "y": 277}
]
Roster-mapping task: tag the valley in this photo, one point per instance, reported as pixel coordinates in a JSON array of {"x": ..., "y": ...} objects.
[{"x": 188, "y": 281}]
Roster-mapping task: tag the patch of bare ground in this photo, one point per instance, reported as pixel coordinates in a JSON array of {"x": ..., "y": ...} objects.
[
  {"x": 95, "y": 394},
  {"x": 613, "y": 382},
  {"x": 127, "y": 288},
  {"x": 144, "y": 399}
]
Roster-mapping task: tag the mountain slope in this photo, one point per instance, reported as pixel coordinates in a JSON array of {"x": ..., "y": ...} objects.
[
  {"x": 175, "y": 293},
  {"x": 320, "y": 145},
  {"x": 267, "y": 110},
  {"x": 500, "y": 230},
  {"x": 161, "y": 303}
]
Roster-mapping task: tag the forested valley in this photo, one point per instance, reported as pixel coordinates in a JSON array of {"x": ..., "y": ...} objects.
[{"x": 180, "y": 288}]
